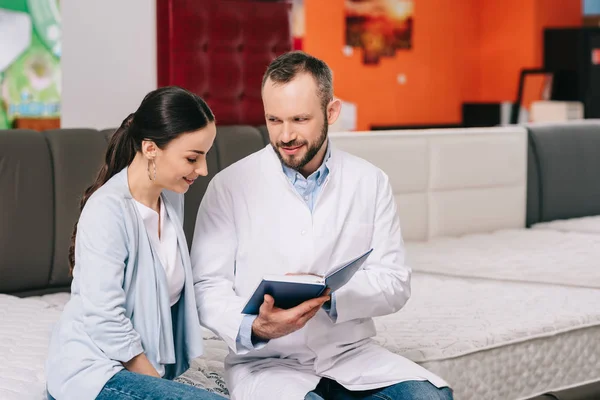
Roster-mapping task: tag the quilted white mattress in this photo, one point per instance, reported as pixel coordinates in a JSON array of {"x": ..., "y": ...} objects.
[
  {"x": 581, "y": 225},
  {"x": 488, "y": 339},
  {"x": 25, "y": 330},
  {"x": 498, "y": 340},
  {"x": 24, "y": 337},
  {"x": 526, "y": 255}
]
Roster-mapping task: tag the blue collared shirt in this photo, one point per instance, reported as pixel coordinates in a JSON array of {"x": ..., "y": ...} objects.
[{"x": 309, "y": 189}]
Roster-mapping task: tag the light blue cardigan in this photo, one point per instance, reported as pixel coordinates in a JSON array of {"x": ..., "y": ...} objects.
[{"x": 119, "y": 302}]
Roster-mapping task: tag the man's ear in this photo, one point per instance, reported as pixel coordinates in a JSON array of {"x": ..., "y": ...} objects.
[
  {"x": 149, "y": 149},
  {"x": 333, "y": 110}
]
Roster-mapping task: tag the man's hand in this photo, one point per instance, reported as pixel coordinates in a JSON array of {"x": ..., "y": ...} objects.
[{"x": 273, "y": 322}]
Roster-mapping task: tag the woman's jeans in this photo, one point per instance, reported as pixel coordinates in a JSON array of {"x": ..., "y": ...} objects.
[{"x": 127, "y": 385}]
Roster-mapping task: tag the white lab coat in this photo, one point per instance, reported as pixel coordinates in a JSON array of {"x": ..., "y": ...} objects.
[{"x": 252, "y": 222}]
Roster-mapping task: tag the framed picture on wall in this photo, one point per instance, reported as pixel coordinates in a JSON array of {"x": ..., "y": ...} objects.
[
  {"x": 379, "y": 27},
  {"x": 30, "y": 74}
]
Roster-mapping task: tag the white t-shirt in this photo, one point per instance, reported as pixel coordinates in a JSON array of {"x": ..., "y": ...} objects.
[{"x": 166, "y": 246}]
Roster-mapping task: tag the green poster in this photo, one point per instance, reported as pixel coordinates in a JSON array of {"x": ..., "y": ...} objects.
[{"x": 30, "y": 50}]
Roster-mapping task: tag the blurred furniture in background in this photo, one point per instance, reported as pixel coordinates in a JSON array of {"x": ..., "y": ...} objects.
[
  {"x": 220, "y": 49},
  {"x": 37, "y": 124}
]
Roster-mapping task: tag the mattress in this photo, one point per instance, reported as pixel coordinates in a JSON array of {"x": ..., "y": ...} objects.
[
  {"x": 526, "y": 255},
  {"x": 208, "y": 371},
  {"x": 24, "y": 338},
  {"x": 488, "y": 339},
  {"x": 582, "y": 225},
  {"x": 498, "y": 340}
]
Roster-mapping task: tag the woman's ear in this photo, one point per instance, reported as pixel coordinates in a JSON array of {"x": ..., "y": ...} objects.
[{"x": 149, "y": 149}]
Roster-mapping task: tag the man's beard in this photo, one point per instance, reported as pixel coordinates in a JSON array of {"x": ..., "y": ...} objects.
[{"x": 313, "y": 149}]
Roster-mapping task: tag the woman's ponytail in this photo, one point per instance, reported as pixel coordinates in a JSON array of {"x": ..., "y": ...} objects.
[{"x": 120, "y": 153}]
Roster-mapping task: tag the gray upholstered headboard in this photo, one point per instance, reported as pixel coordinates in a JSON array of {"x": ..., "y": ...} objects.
[
  {"x": 42, "y": 178},
  {"x": 563, "y": 171}
]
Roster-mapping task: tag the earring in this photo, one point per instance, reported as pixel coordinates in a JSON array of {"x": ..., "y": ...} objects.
[{"x": 152, "y": 177}]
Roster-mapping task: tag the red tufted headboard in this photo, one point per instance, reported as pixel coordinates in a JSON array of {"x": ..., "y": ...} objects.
[{"x": 220, "y": 49}]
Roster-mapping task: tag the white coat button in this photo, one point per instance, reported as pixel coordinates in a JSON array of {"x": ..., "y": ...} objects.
[{"x": 303, "y": 233}]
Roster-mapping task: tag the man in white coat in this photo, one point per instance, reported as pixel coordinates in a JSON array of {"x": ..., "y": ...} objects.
[{"x": 301, "y": 206}]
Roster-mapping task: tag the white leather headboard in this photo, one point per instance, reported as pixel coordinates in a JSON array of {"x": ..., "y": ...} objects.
[{"x": 449, "y": 182}]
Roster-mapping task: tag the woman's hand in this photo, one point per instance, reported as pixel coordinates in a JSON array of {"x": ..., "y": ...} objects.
[{"x": 141, "y": 365}]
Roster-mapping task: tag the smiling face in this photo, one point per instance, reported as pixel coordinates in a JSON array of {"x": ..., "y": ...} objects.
[
  {"x": 183, "y": 159},
  {"x": 297, "y": 122}
]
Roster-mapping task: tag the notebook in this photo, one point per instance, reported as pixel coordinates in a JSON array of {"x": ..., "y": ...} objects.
[{"x": 291, "y": 290}]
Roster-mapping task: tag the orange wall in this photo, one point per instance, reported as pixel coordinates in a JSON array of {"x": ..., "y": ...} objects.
[
  {"x": 443, "y": 37},
  {"x": 468, "y": 50},
  {"x": 506, "y": 46},
  {"x": 511, "y": 37}
]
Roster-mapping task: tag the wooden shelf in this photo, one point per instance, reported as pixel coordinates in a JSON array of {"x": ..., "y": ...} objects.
[{"x": 37, "y": 124}]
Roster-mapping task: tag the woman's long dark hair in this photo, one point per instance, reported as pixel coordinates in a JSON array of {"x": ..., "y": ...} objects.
[{"x": 163, "y": 115}]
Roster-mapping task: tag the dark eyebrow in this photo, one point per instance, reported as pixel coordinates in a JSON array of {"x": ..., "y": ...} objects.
[
  {"x": 293, "y": 117},
  {"x": 198, "y": 151}
]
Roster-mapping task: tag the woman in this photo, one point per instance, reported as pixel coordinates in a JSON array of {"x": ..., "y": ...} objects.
[{"x": 132, "y": 316}]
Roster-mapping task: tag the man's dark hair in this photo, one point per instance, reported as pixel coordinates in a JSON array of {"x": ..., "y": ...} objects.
[{"x": 287, "y": 66}]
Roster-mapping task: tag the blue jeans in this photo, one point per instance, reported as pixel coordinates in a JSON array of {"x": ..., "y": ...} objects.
[
  {"x": 127, "y": 385},
  {"x": 328, "y": 389}
]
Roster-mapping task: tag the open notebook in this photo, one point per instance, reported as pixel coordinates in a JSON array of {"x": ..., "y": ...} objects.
[{"x": 292, "y": 290}]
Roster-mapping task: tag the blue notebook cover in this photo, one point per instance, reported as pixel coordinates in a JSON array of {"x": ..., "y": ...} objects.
[{"x": 292, "y": 290}]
